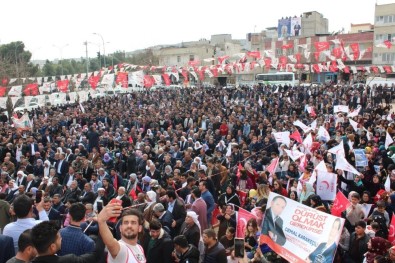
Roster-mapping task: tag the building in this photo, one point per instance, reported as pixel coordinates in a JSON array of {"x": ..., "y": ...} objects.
[
  {"x": 359, "y": 28},
  {"x": 384, "y": 30},
  {"x": 313, "y": 23}
]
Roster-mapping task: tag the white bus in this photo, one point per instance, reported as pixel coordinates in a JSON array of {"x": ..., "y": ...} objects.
[{"x": 278, "y": 78}]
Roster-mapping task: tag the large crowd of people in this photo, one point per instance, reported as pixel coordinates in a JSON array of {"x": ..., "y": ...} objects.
[{"x": 158, "y": 176}]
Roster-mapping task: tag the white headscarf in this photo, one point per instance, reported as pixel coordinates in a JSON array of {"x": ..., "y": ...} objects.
[
  {"x": 194, "y": 217},
  {"x": 152, "y": 198}
]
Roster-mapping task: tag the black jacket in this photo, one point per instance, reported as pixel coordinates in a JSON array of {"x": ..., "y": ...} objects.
[
  {"x": 161, "y": 250},
  {"x": 192, "y": 255},
  {"x": 215, "y": 254}
]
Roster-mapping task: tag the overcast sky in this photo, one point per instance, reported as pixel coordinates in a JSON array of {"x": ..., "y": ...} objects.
[{"x": 130, "y": 25}]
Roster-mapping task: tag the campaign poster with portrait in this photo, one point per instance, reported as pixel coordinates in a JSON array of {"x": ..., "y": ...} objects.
[
  {"x": 284, "y": 28},
  {"x": 296, "y": 26},
  {"x": 299, "y": 233}
]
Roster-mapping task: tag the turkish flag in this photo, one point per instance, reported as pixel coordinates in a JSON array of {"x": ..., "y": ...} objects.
[
  {"x": 296, "y": 136},
  {"x": 337, "y": 52},
  {"x": 268, "y": 62},
  {"x": 214, "y": 219},
  {"x": 31, "y": 89},
  {"x": 321, "y": 46},
  {"x": 201, "y": 74},
  {"x": 387, "y": 69},
  {"x": 122, "y": 78},
  {"x": 346, "y": 70},
  {"x": 355, "y": 49},
  {"x": 288, "y": 46},
  {"x": 148, "y": 81},
  {"x": 316, "y": 68},
  {"x": 93, "y": 80},
  {"x": 166, "y": 78},
  {"x": 215, "y": 72},
  {"x": 62, "y": 85},
  {"x": 242, "y": 219},
  {"x": 184, "y": 73},
  {"x": 242, "y": 196},
  {"x": 340, "y": 204},
  {"x": 239, "y": 167},
  {"x": 2, "y": 91},
  {"x": 375, "y": 69},
  {"x": 391, "y": 234},
  {"x": 297, "y": 57},
  {"x": 282, "y": 60},
  {"x": 254, "y": 54}
]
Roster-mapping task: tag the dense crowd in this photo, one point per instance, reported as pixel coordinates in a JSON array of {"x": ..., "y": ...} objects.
[{"x": 158, "y": 176}]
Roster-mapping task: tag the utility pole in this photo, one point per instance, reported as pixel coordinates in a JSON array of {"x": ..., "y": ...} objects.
[{"x": 87, "y": 59}]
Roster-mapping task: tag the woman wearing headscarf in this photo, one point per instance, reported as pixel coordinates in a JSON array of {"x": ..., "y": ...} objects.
[
  {"x": 191, "y": 228},
  {"x": 377, "y": 246},
  {"x": 47, "y": 168},
  {"x": 229, "y": 197},
  {"x": 108, "y": 163},
  {"x": 226, "y": 219},
  {"x": 307, "y": 191}
]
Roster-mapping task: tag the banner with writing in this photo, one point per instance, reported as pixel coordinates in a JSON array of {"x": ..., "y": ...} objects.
[{"x": 300, "y": 233}]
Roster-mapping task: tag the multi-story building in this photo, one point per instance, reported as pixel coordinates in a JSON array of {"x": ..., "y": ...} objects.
[{"x": 384, "y": 30}]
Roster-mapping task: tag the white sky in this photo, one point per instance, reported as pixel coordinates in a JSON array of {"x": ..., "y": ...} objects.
[{"x": 130, "y": 25}]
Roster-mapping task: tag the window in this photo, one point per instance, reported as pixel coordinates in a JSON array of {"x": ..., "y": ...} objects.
[
  {"x": 385, "y": 19},
  {"x": 390, "y": 19},
  {"x": 178, "y": 59},
  {"x": 191, "y": 57}
]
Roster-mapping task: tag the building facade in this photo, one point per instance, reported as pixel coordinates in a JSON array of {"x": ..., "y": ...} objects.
[{"x": 384, "y": 30}]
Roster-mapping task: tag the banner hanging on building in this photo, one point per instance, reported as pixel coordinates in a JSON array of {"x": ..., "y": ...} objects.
[{"x": 300, "y": 233}]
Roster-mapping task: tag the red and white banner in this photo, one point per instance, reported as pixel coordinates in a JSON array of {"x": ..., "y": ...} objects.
[
  {"x": 302, "y": 126},
  {"x": 271, "y": 168},
  {"x": 299, "y": 233},
  {"x": 296, "y": 136},
  {"x": 22, "y": 123}
]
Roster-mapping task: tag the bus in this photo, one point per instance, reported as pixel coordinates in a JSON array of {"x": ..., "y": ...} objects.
[{"x": 278, "y": 78}]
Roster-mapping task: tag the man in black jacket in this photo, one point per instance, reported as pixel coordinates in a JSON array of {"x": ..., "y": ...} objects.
[
  {"x": 185, "y": 253},
  {"x": 158, "y": 247},
  {"x": 47, "y": 241}
]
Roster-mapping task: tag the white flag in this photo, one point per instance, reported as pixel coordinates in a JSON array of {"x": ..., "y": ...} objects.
[
  {"x": 313, "y": 178},
  {"x": 354, "y": 124},
  {"x": 342, "y": 164},
  {"x": 82, "y": 108},
  {"x": 388, "y": 140},
  {"x": 321, "y": 167},
  {"x": 308, "y": 142},
  {"x": 260, "y": 102},
  {"x": 302, "y": 126},
  {"x": 354, "y": 112},
  {"x": 340, "y": 108},
  {"x": 313, "y": 125},
  {"x": 338, "y": 150},
  {"x": 387, "y": 184},
  {"x": 323, "y": 133},
  {"x": 294, "y": 154},
  {"x": 366, "y": 209},
  {"x": 282, "y": 137},
  {"x": 326, "y": 185}
]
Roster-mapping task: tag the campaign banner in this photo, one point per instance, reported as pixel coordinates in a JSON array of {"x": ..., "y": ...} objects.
[
  {"x": 299, "y": 233},
  {"x": 360, "y": 158},
  {"x": 284, "y": 28}
]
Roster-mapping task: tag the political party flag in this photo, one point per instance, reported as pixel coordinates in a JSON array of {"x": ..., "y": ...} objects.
[
  {"x": 340, "y": 108},
  {"x": 321, "y": 167},
  {"x": 340, "y": 204},
  {"x": 388, "y": 140},
  {"x": 239, "y": 167},
  {"x": 294, "y": 154},
  {"x": 273, "y": 166},
  {"x": 338, "y": 150},
  {"x": 242, "y": 196},
  {"x": 323, "y": 133},
  {"x": 366, "y": 209},
  {"x": 296, "y": 136},
  {"x": 342, "y": 164},
  {"x": 391, "y": 234},
  {"x": 354, "y": 124},
  {"x": 22, "y": 123},
  {"x": 326, "y": 185},
  {"x": 242, "y": 218},
  {"x": 82, "y": 108},
  {"x": 282, "y": 137},
  {"x": 387, "y": 184},
  {"x": 302, "y": 126}
]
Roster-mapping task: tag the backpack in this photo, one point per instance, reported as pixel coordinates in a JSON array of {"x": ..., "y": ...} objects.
[{"x": 380, "y": 219}]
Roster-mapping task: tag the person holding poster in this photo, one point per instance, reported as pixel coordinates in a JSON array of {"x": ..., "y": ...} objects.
[
  {"x": 325, "y": 252},
  {"x": 273, "y": 223}
]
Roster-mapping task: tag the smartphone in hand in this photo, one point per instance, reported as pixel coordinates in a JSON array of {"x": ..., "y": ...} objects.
[{"x": 114, "y": 201}]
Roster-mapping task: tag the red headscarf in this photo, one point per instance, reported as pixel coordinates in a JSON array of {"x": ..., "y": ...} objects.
[{"x": 379, "y": 247}]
